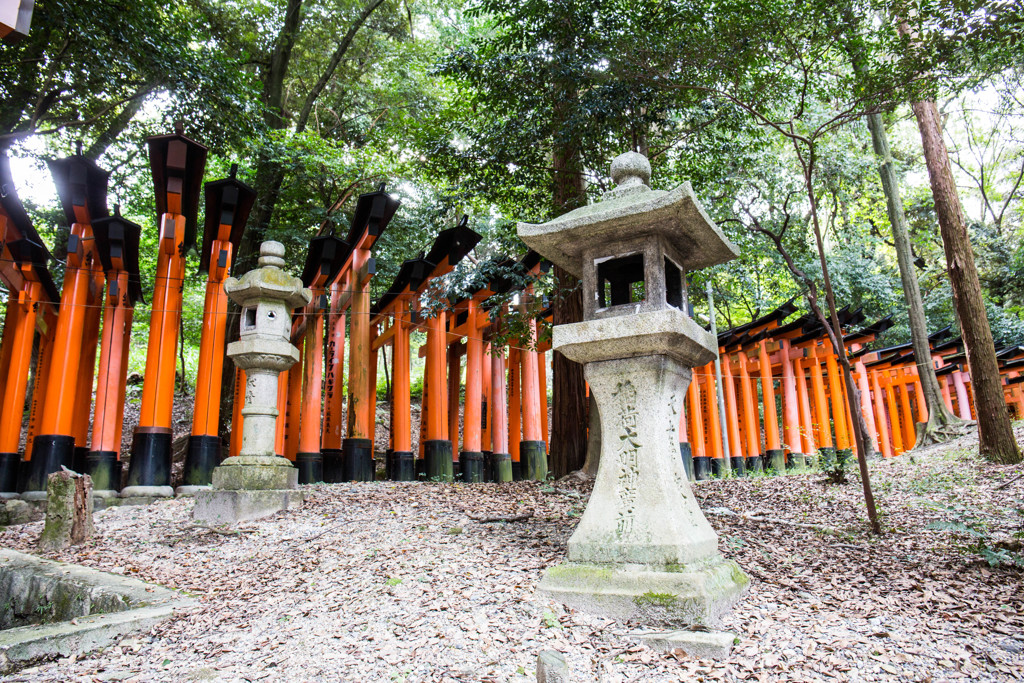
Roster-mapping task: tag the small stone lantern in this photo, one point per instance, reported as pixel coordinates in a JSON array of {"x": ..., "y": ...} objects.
[
  {"x": 643, "y": 548},
  {"x": 257, "y": 482}
]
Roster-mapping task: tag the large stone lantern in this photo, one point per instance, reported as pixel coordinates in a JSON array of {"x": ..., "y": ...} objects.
[
  {"x": 643, "y": 548},
  {"x": 257, "y": 482}
]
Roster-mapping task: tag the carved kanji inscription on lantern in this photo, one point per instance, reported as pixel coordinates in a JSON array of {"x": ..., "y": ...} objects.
[{"x": 628, "y": 455}]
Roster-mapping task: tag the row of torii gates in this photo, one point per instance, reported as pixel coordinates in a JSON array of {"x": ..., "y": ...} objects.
[{"x": 781, "y": 389}]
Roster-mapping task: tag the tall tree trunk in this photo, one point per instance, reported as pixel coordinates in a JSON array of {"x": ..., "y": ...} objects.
[
  {"x": 569, "y": 389},
  {"x": 942, "y": 424},
  {"x": 835, "y": 335},
  {"x": 268, "y": 173},
  {"x": 995, "y": 436}
]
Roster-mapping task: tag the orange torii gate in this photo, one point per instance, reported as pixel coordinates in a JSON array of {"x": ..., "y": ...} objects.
[
  {"x": 1012, "y": 366},
  {"x": 486, "y": 421},
  {"x": 177, "y": 163},
  {"x": 735, "y": 348},
  {"x": 436, "y": 458},
  {"x": 63, "y": 429},
  {"x": 117, "y": 241},
  {"x": 526, "y": 429},
  {"x": 489, "y": 415},
  {"x": 351, "y": 458},
  {"x": 793, "y": 354},
  {"x": 392, "y": 322},
  {"x": 31, "y": 306},
  {"x": 324, "y": 260}
]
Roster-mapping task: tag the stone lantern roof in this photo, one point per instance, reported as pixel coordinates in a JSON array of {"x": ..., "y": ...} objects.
[
  {"x": 630, "y": 211},
  {"x": 268, "y": 281}
]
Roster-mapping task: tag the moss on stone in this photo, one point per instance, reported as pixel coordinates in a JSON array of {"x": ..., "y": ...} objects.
[{"x": 652, "y": 599}]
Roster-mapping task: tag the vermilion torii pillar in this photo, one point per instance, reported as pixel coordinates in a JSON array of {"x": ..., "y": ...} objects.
[
  {"x": 82, "y": 187},
  {"x": 471, "y": 458},
  {"x": 501, "y": 459},
  {"x": 324, "y": 260},
  {"x": 353, "y": 461},
  {"x": 449, "y": 248},
  {"x": 228, "y": 203},
  {"x": 87, "y": 367},
  {"x": 392, "y": 311},
  {"x": 177, "y": 164},
  {"x": 117, "y": 241},
  {"x": 532, "y": 449},
  {"x": 31, "y": 299}
]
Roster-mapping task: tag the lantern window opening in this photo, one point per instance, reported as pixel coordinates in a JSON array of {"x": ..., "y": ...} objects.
[
  {"x": 673, "y": 284},
  {"x": 250, "y": 318},
  {"x": 621, "y": 281}
]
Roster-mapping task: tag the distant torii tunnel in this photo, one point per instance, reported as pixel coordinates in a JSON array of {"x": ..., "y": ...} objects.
[{"x": 484, "y": 418}]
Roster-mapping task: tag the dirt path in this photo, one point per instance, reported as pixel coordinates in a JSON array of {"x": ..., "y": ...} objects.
[{"x": 394, "y": 582}]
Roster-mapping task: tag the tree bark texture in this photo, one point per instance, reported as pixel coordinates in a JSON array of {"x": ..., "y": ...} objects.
[
  {"x": 569, "y": 389},
  {"x": 995, "y": 435},
  {"x": 835, "y": 334},
  {"x": 939, "y": 416}
]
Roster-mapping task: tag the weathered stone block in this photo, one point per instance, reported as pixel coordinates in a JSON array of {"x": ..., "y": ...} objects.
[
  {"x": 552, "y": 667},
  {"x": 216, "y": 507},
  {"x": 103, "y": 607},
  {"x": 696, "y": 644},
  {"x": 14, "y": 512},
  {"x": 255, "y": 477},
  {"x": 675, "y": 595}
]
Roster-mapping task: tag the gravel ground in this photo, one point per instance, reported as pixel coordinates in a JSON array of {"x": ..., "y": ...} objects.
[{"x": 395, "y": 582}]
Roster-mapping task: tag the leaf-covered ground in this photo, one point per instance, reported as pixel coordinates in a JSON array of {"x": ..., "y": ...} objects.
[{"x": 396, "y": 582}]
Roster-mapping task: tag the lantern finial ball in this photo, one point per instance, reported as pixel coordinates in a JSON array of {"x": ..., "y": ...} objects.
[
  {"x": 631, "y": 169},
  {"x": 272, "y": 254}
]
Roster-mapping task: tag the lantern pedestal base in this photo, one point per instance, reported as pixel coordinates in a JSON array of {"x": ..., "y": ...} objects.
[
  {"x": 696, "y": 594},
  {"x": 214, "y": 507},
  {"x": 643, "y": 549},
  {"x": 248, "y": 487},
  {"x": 271, "y": 473}
]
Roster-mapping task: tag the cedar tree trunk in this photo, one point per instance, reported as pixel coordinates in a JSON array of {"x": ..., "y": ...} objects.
[{"x": 995, "y": 436}]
